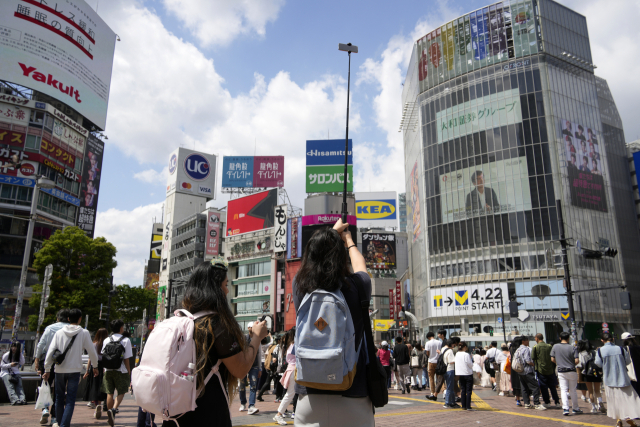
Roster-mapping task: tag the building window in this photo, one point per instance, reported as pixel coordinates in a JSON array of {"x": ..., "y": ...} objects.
[{"x": 256, "y": 269}]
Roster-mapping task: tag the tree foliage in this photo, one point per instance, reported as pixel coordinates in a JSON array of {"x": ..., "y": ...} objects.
[
  {"x": 129, "y": 303},
  {"x": 81, "y": 275}
]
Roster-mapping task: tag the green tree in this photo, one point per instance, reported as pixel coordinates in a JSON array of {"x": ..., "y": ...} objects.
[
  {"x": 129, "y": 303},
  {"x": 81, "y": 275}
]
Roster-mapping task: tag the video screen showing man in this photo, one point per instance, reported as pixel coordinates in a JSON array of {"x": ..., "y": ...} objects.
[{"x": 481, "y": 199}]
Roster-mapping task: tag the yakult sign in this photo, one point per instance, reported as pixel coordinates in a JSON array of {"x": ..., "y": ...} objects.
[{"x": 192, "y": 172}]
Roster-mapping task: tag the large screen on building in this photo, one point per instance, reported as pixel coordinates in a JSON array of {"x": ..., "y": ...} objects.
[
  {"x": 60, "y": 48},
  {"x": 496, "y": 187},
  {"x": 487, "y": 36},
  {"x": 585, "y": 165},
  {"x": 252, "y": 171},
  {"x": 379, "y": 250},
  {"x": 251, "y": 213},
  {"x": 91, "y": 176}
]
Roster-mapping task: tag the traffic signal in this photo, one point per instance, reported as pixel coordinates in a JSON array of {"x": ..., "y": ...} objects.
[
  {"x": 610, "y": 252},
  {"x": 513, "y": 309}
]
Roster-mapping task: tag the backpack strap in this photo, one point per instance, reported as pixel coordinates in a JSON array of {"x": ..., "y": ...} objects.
[
  {"x": 216, "y": 371},
  {"x": 367, "y": 334},
  {"x": 183, "y": 312},
  {"x": 202, "y": 314}
]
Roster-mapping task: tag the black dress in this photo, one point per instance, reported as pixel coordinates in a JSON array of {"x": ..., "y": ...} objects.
[
  {"x": 212, "y": 409},
  {"x": 93, "y": 391}
]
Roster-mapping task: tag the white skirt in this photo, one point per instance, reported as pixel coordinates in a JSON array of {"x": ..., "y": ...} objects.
[
  {"x": 325, "y": 410},
  {"x": 622, "y": 403}
]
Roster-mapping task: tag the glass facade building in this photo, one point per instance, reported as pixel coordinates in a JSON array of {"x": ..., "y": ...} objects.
[{"x": 510, "y": 120}]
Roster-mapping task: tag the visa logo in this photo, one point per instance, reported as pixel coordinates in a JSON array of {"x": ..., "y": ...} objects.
[
  {"x": 205, "y": 190},
  {"x": 376, "y": 209}
]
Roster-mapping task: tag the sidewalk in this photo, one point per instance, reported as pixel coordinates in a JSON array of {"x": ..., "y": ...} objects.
[{"x": 403, "y": 409}]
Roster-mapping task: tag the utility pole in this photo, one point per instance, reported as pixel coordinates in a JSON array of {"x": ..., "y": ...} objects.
[
  {"x": 504, "y": 330},
  {"x": 46, "y": 284},
  {"x": 567, "y": 276}
]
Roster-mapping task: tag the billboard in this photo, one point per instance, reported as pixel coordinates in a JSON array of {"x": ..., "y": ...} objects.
[
  {"x": 377, "y": 209},
  {"x": 415, "y": 201},
  {"x": 294, "y": 238},
  {"x": 213, "y": 233},
  {"x": 156, "y": 242},
  {"x": 280, "y": 233},
  {"x": 91, "y": 173},
  {"x": 495, "y": 187},
  {"x": 327, "y": 219},
  {"x": 468, "y": 300},
  {"x": 585, "y": 165},
  {"x": 379, "y": 252},
  {"x": 192, "y": 172},
  {"x": 252, "y": 171},
  {"x": 62, "y": 49},
  {"x": 251, "y": 213},
  {"x": 162, "y": 301},
  {"x": 491, "y": 35},
  {"x": 392, "y": 304},
  {"x": 325, "y": 166}
]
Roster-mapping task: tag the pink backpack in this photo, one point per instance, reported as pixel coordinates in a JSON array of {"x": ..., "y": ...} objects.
[{"x": 157, "y": 382}]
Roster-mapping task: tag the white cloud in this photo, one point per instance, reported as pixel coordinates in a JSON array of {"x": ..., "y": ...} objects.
[
  {"x": 151, "y": 176},
  {"x": 130, "y": 233},
  {"x": 218, "y": 22}
]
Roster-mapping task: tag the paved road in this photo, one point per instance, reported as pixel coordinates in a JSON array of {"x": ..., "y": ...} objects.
[{"x": 409, "y": 409}]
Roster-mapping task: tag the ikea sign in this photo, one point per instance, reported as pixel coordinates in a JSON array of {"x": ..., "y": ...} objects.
[{"x": 376, "y": 209}]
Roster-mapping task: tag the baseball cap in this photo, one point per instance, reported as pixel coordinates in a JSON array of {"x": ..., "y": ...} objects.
[
  {"x": 626, "y": 335},
  {"x": 250, "y": 325},
  {"x": 384, "y": 343}
]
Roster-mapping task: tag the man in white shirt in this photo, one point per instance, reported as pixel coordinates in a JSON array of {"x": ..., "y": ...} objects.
[
  {"x": 116, "y": 379},
  {"x": 450, "y": 376},
  {"x": 492, "y": 353},
  {"x": 432, "y": 349},
  {"x": 71, "y": 340}
]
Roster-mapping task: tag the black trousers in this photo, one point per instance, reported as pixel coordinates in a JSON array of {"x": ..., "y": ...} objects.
[
  {"x": 530, "y": 388},
  {"x": 271, "y": 375},
  {"x": 548, "y": 384},
  {"x": 466, "y": 389}
]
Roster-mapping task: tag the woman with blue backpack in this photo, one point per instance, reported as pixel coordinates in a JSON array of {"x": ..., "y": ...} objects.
[{"x": 330, "y": 350}]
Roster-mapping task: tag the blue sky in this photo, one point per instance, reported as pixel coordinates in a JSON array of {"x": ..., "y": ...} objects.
[{"x": 232, "y": 76}]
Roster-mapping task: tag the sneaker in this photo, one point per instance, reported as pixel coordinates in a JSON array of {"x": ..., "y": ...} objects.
[
  {"x": 403, "y": 391},
  {"x": 578, "y": 411},
  {"x": 458, "y": 399},
  {"x": 455, "y": 405},
  {"x": 501, "y": 393},
  {"x": 259, "y": 399},
  {"x": 557, "y": 404},
  {"x": 447, "y": 406},
  {"x": 471, "y": 409},
  {"x": 409, "y": 390},
  {"x": 98, "y": 414},
  {"x": 594, "y": 410},
  {"x": 565, "y": 412},
  {"x": 493, "y": 387},
  {"x": 91, "y": 405},
  {"x": 280, "y": 420},
  {"x": 602, "y": 408},
  {"x": 55, "y": 425},
  {"x": 116, "y": 411},
  {"x": 242, "y": 408},
  {"x": 111, "y": 417},
  {"x": 44, "y": 418},
  {"x": 293, "y": 415},
  {"x": 528, "y": 406},
  {"x": 584, "y": 398},
  {"x": 518, "y": 403},
  {"x": 277, "y": 400},
  {"x": 253, "y": 410},
  {"x": 541, "y": 407}
]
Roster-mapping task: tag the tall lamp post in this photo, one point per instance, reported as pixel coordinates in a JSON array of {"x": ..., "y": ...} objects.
[
  {"x": 41, "y": 182},
  {"x": 346, "y": 48}
]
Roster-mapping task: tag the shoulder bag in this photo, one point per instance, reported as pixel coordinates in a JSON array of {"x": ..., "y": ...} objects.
[
  {"x": 376, "y": 375},
  {"x": 58, "y": 357},
  {"x": 631, "y": 371}
]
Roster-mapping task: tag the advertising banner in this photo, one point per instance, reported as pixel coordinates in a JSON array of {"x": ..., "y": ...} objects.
[
  {"x": 162, "y": 301},
  {"x": 380, "y": 254},
  {"x": 62, "y": 49},
  {"x": 392, "y": 303},
  {"x": 586, "y": 167},
  {"x": 192, "y": 172},
  {"x": 398, "y": 298},
  {"x": 252, "y": 171},
  {"x": 213, "y": 233},
  {"x": 68, "y": 136},
  {"x": 251, "y": 213},
  {"x": 377, "y": 209},
  {"x": 475, "y": 40},
  {"x": 14, "y": 114},
  {"x": 328, "y": 219},
  {"x": 58, "y": 153},
  {"x": 468, "y": 299},
  {"x": 415, "y": 201},
  {"x": 14, "y": 138},
  {"x": 280, "y": 233},
  {"x": 383, "y": 325},
  {"x": 479, "y": 114},
  {"x": 151, "y": 281},
  {"x": 326, "y": 152},
  {"x": 156, "y": 242},
  {"x": 636, "y": 164},
  {"x": 328, "y": 179},
  {"x": 496, "y": 187},
  {"x": 294, "y": 238},
  {"x": 91, "y": 173}
]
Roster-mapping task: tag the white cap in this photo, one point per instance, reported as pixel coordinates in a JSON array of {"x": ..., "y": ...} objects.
[
  {"x": 384, "y": 343},
  {"x": 250, "y": 325},
  {"x": 626, "y": 335}
]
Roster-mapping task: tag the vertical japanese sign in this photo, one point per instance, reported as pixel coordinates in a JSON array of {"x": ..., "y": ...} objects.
[
  {"x": 398, "y": 297},
  {"x": 91, "y": 173},
  {"x": 280, "y": 235},
  {"x": 294, "y": 238},
  {"x": 213, "y": 233},
  {"x": 415, "y": 201},
  {"x": 392, "y": 304}
]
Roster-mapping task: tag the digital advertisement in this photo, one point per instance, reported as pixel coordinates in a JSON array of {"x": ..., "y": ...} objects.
[
  {"x": 213, "y": 233},
  {"x": 379, "y": 252},
  {"x": 192, "y": 172},
  {"x": 91, "y": 173},
  {"x": 251, "y": 213},
  {"x": 469, "y": 299}
]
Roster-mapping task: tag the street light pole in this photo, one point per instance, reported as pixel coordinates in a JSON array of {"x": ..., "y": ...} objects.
[
  {"x": 567, "y": 276},
  {"x": 504, "y": 331},
  {"x": 346, "y": 48},
  {"x": 43, "y": 182}
]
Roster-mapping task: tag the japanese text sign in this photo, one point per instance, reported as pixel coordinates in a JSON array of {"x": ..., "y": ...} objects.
[
  {"x": 12, "y": 138},
  {"x": 380, "y": 252},
  {"x": 280, "y": 232},
  {"x": 398, "y": 297},
  {"x": 321, "y": 179},
  {"x": 50, "y": 149},
  {"x": 252, "y": 171},
  {"x": 213, "y": 233},
  {"x": 392, "y": 304}
]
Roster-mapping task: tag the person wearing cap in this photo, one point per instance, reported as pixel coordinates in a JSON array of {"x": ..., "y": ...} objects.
[
  {"x": 384, "y": 355},
  {"x": 634, "y": 353},
  {"x": 253, "y": 376},
  {"x": 622, "y": 400}
]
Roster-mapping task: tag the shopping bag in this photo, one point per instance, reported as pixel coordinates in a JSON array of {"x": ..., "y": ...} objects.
[{"x": 44, "y": 396}]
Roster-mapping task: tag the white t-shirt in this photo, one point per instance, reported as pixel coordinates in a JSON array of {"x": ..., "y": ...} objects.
[
  {"x": 464, "y": 364},
  {"x": 492, "y": 352},
  {"x": 432, "y": 346},
  {"x": 128, "y": 352},
  {"x": 449, "y": 359}
]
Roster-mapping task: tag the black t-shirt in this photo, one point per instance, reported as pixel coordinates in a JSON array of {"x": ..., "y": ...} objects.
[
  {"x": 350, "y": 292},
  {"x": 401, "y": 354},
  {"x": 213, "y": 399}
]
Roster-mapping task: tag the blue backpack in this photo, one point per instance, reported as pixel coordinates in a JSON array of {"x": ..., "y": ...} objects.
[{"x": 325, "y": 351}]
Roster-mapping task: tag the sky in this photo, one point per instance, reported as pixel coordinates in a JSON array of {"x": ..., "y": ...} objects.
[{"x": 243, "y": 77}]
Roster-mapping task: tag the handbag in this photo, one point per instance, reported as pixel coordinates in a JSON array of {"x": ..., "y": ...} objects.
[
  {"x": 415, "y": 362},
  {"x": 376, "y": 375},
  {"x": 631, "y": 371},
  {"x": 13, "y": 378},
  {"x": 507, "y": 365},
  {"x": 58, "y": 357},
  {"x": 44, "y": 396}
]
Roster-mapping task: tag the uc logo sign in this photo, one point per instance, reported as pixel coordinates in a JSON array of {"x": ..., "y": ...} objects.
[
  {"x": 376, "y": 209},
  {"x": 173, "y": 162},
  {"x": 197, "y": 167}
]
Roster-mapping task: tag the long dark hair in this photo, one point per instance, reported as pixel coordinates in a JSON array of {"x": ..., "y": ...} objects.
[
  {"x": 14, "y": 356},
  {"x": 324, "y": 263},
  {"x": 101, "y": 335},
  {"x": 515, "y": 344},
  {"x": 287, "y": 340},
  {"x": 204, "y": 292},
  {"x": 584, "y": 345}
]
